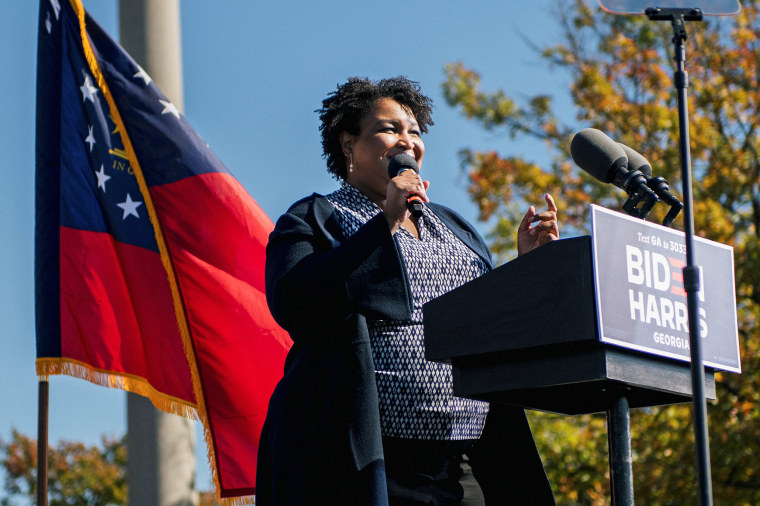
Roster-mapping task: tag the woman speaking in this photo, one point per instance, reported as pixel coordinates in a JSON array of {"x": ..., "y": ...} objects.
[{"x": 360, "y": 417}]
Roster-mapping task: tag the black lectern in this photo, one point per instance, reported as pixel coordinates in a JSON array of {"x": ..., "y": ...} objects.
[{"x": 527, "y": 334}]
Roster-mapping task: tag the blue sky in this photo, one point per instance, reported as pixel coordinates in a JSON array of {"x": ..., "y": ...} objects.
[{"x": 253, "y": 74}]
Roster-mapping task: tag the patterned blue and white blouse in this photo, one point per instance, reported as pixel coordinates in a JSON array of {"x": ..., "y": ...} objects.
[{"x": 416, "y": 399}]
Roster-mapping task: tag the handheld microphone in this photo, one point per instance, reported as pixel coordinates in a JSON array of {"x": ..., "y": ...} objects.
[
  {"x": 593, "y": 151},
  {"x": 399, "y": 164}
]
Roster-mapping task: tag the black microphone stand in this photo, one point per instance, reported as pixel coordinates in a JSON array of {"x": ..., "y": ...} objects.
[{"x": 677, "y": 17}]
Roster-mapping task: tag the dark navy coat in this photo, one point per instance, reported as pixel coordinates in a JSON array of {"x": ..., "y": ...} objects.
[{"x": 321, "y": 442}]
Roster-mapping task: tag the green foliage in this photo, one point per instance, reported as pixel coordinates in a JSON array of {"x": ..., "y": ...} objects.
[
  {"x": 621, "y": 70},
  {"x": 77, "y": 474}
]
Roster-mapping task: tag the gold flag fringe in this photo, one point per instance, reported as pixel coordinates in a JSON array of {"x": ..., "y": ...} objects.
[
  {"x": 122, "y": 381},
  {"x": 236, "y": 501},
  {"x": 179, "y": 308}
]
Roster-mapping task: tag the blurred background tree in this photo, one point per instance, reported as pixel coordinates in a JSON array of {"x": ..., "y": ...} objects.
[
  {"x": 621, "y": 69},
  {"x": 77, "y": 474}
]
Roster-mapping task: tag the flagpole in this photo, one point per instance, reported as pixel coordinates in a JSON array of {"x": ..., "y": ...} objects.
[{"x": 42, "y": 441}]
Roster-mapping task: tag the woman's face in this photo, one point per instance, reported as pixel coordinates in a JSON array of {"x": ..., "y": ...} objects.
[{"x": 387, "y": 130}]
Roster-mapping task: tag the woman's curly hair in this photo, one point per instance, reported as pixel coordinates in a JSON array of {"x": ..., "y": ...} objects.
[{"x": 343, "y": 110}]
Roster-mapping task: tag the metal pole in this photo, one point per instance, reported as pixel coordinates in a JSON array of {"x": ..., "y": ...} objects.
[
  {"x": 677, "y": 18},
  {"x": 42, "y": 440},
  {"x": 691, "y": 276},
  {"x": 619, "y": 442}
]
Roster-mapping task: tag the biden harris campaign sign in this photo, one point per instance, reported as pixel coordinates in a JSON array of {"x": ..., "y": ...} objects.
[{"x": 642, "y": 301}]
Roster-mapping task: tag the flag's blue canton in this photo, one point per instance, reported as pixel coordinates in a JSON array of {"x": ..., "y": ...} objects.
[
  {"x": 99, "y": 190},
  {"x": 167, "y": 147}
]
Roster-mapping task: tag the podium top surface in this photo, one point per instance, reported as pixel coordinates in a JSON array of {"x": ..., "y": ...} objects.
[{"x": 521, "y": 304}]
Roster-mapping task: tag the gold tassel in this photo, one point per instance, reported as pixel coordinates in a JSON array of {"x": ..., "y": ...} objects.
[{"x": 122, "y": 381}]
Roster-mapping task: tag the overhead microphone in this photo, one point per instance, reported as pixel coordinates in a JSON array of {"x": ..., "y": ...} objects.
[{"x": 399, "y": 164}]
